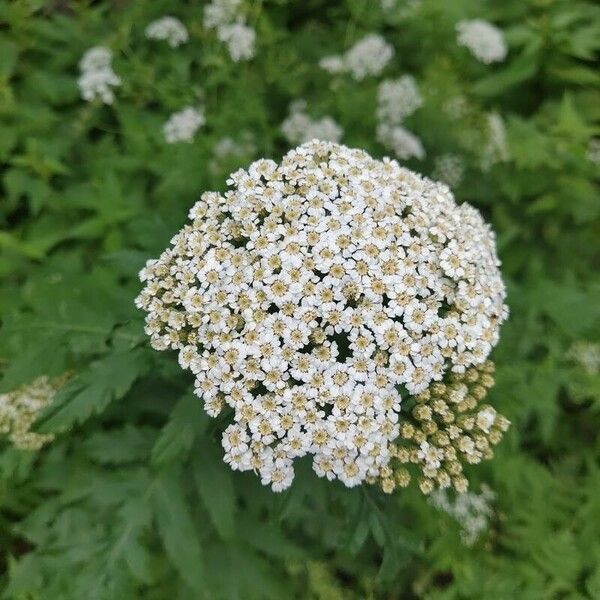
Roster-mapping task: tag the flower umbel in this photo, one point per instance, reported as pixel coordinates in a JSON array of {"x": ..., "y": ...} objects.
[
  {"x": 169, "y": 29},
  {"x": 484, "y": 40},
  {"x": 182, "y": 126},
  {"x": 312, "y": 291},
  {"x": 367, "y": 57},
  {"x": 97, "y": 76},
  {"x": 20, "y": 408}
]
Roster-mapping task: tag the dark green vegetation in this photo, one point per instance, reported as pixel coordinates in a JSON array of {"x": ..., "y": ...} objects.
[{"x": 132, "y": 499}]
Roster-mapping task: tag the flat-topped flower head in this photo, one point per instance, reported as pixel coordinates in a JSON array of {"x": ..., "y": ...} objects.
[
  {"x": 484, "y": 40},
  {"x": 312, "y": 294},
  {"x": 168, "y": 29}
]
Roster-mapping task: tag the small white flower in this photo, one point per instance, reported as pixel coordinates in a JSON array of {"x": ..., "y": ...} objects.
[
  {"x": 472, "y": 511},
  {"x": 20, "y": 408},
  {"x": 95, "y": 58},
  {"x": 298, "y": 127},
  {"x": 484, "y": 40},
  {"x": 398, "y": 99},
  {"x": 97, "y": 76},
  {"x": 220, "y": 12},
  {"x": 593, "y": 151},
  {"x": 239, "y": 38},
  {"x": 402, "y": 142},
  {"x": 587, "y": 355},
  {"x": 368, "y": 57},
  {"x": 495, "y": 149},
  {"x": 169, "y": 29},
  {"x": 98, "y": 84},
  {"x": 182, "y": 126},
  {"x": 486, "y": 418},
  {"x": 449, "y": 168},
  {"x": 232, "y": 29}
]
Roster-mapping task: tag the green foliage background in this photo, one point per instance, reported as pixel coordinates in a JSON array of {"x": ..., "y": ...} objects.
[{"x": 132, "y": 500}]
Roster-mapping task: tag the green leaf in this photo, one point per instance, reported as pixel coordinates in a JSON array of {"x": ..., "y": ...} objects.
[
  {"x": 215, "y": 487},
  {"x": 186, "y": 421},
  {"x": 90, "y": 393},
  {"x": 176, "y": 529},
  {"x": 521, "y": 69}
]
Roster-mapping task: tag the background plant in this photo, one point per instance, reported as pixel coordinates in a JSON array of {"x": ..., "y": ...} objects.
[{"x": 131, "y": 499}]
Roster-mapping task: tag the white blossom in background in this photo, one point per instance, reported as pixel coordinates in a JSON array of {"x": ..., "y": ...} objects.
[
  {"x": 20, "y": 408},
  {"x": 367, "y": 57},
  {"x": 398, "y": 99},
  {"x": 400, "y": 141},
  {"x": 593, "y": 151},
  {"x": 221, "y": 12},
  {"x": 169, "y": 29},
  {"x": 586, "y": 355},
  {"x": 333, "y": 64},
  {"x": 495, "y": 148},
  {"x": 484, "y": 40},
  {"x": 472, "y": 511},
  {"x": 309, "y": 292},
  {"x": 227, "y": 148},
  {"x": 239, "y": 38},
  {"x": 95, "y": 58},
  {"x": 449, "y": 168},
  {"x": 226, "y": 18},
  {"x": 298, "y": 127},
  {"x": 182, "y": 126},
  {"x": 456, "y": 107},
  {"x": 406, "y": 4},
  {"x": 97, "y": 76}
]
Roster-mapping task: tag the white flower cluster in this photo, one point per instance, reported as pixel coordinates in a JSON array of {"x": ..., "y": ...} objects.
[
  {"x": 484, "y": 40},
  {"x": 298, "y": 127},
  {"x": 182, "y": 126},
  {"x": 593, "y": 151},
  {"x": 305, "y": 295},
  {"x": 586, "y": 355},
  {"x": 97, "y": 76},
  {"x": 169, "y": 29},
  {"x": 406, "y": 4},
  {"x": 367, "y": 57},
  {"x": 495, "y": 149},
  {"x": 396, "y": 100},
  {"x": 20, "y": 408},
  {"x": 448, "y": 427},
  {"x": 228, "y": 147},
  {"x": 472, "y": 511},
  {"x": 456, "y": 107},
  {"x": 230, "y": 24},
  {"x": 401, "y": 141},
  {"x": 449, "y": 168}
]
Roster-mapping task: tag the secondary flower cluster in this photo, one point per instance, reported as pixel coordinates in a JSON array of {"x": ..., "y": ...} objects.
[
  {"x": 449, "y": 168},
  {"x": 367, "y": 57},
  {"x": 484, "y": 40},
  {"x": 169, "y": 29},
  {"x": 448, "y": 428},
  {"x": 230, "y": 24},
  {"x": 20, "y": 408},
  {"x": 97, "y": 76},
  {"x": 298, "y": 127},
  {"x": 182, "y": 126},
  {"x": 309, "y": 294},
  {"x": 396, "y": 100}
]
